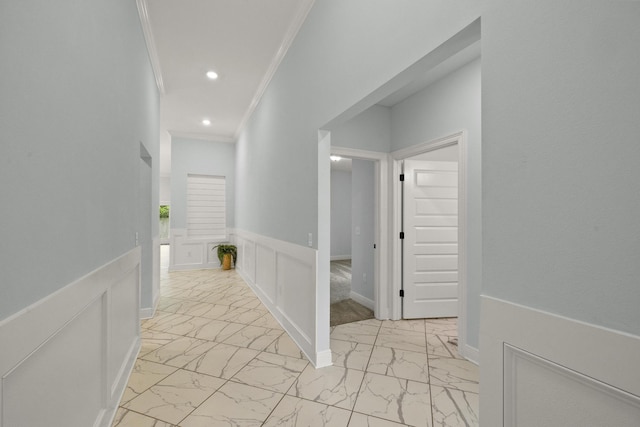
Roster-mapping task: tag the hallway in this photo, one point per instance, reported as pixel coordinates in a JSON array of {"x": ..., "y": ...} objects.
[{"x": 214, "y": 356}]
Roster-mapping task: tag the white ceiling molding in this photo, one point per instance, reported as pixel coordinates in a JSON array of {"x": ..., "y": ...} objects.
[
  {"x": 201, "y": 136},
  {"x": 296, "y": 24},
  {"x": 143, "y": 12}
]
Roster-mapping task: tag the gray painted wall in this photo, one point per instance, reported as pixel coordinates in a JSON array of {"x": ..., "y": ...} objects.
[
  {"x": 192, "y": 156},
  {"x": 340, "y": 213},
  {"x": 323, "y": 74},
  {"x": 561, "y": 183},
  {"x": 369, "y": 130},
  {"x": 165, "y": 190},
  {"x": 363, "y": 228},
  {"x": 78, "y": 98},
  {"x": 560, "y": 96},
  {"x": 447, "y": 106}
]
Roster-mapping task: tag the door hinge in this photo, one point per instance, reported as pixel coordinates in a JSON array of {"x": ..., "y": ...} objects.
[
  {"x": 401, "y": 177},
  {"x": 402, "y": 234},
  {"x": 401, "y": 293}
]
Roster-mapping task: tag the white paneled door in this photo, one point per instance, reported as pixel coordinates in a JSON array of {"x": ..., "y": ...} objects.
[{"x": 430, "y": 246}]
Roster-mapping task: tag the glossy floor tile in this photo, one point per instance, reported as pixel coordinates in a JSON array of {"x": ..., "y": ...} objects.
[{"x": 213, "y": 355}]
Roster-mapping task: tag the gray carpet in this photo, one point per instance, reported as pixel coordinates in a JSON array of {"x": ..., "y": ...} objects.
[
  {"x": 347, "y": 311},
  {"x": 340, "y": 280},
  {"x": 343, "y": 309}
]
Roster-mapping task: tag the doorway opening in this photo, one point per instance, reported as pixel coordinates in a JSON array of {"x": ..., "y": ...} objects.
[
  {"x": 414, "y": 116},
  {"x": 149, "y": 287},
  {"x": 430, "y": 213},
  {"x": 353, "y": 214},
  {"x": 369, "y": 228}
]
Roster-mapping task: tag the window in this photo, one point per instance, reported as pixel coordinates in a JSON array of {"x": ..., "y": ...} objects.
[{"x": 206, "y": 208}]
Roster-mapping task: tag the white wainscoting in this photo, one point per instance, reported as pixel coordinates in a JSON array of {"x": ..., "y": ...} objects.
[
  {"x": 540, "y": 369},
  {"x": 283, "y": 275},
  {"x": 189, "y": 253},
  {"x": 66, "y": 359}
]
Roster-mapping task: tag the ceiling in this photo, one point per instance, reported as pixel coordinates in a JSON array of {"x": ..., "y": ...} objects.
[{"x": 241, "y": 40}]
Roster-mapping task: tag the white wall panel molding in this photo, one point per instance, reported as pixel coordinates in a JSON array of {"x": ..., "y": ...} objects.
[
  {"x": 188, "y": 253},
  {"x": 565, "y": 371},
  {"x": 82, "y": 339},
  {"x": 540, "y": 392},
  {"x": 283, "y": 275},
  {"x": 265, "y": 273}
]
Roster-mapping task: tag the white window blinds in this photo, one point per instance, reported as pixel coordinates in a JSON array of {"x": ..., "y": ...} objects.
[{"x": 206, "y": 210}]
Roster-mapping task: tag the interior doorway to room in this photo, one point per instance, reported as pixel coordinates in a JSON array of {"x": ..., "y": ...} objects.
[
  {"x": 463, "y": 48},
  {"x": 432, "y": 273},
  {"x": 353, "y": 230},
  {"x": 430, "y": 229},
  {"x": 165, "y": 228},
  {"x": 149, "y": 289}
]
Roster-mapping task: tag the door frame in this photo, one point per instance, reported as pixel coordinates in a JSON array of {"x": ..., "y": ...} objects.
[
  {"x": 381, "y": 233},
  {"x": 459, "y": 138}
]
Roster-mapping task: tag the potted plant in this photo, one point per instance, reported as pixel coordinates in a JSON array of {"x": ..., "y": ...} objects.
[{"x": 226, "y": 253}]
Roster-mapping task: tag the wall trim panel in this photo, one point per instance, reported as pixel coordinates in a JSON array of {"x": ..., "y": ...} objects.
[
  {"x": 266, "y": 272},
  {"x": 188, "y": 253},
  {"x": 88, "y": 334},
  {"x": 540, "y": 392},
  {"x": 261, "y": 260},
  {"x": 561, "y": 348}
]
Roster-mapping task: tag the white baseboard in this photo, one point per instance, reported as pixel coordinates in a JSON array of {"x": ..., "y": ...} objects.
[
  {"x": 340, "y": 257},
  {"x": 362, "y": 300},
  {"x": 82, "y": 339},
  {"x": 323, "y": 359},
  {"x": 148, "y": 313},
  {"x": 472, "y": 354},
  {"x": 539, "y": 368}
]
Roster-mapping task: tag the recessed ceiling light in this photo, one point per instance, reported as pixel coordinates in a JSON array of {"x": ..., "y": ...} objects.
[
  {"x": 212, "y": 75},
  {"x": 335, "y": 158},
  {"x": 206, "y": 122}
]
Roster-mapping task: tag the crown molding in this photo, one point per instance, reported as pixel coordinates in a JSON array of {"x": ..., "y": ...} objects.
[
  {"x": 201, "y": 136},
  {"x": 143, "y": 12},
  {"x": 292, "y": 31}
]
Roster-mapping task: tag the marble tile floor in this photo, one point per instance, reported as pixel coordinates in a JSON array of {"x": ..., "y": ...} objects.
[{"x": 213, "y": 356}]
